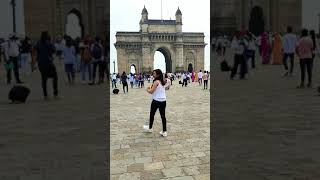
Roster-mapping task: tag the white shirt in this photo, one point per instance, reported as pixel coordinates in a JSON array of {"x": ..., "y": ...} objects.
[
  {"x": 237, "y": 47},
  {"x": 160, "y": 93},
  {"x": 113, "y": 77},
  {"x": 131, "y": 78},
  {"x": 184, "y": 76},
  {"x": 200, "y": 74},
  {"x": 252, "y": 45},
  {"x": 289, "y": 43}
]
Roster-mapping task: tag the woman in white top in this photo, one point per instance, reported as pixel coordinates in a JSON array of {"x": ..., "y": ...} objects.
[{"x": 157, "y": 89}]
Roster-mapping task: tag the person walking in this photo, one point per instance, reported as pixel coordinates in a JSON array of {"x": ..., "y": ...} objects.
[
  {"x": 97, "y": 58},
  {"x": 238, "y": 46},
  {"x": 205, "y": 80},
  {"x": 114, "y": 80},
  {"x": 25, "y": 50},
  {"x": 45, "y": 50},
  {"x": 200, "y": 75},
  {"x": 289, "y": 43},
  {"x": 305, "y": 52},
  {"x": 70, "y": 60},
  {"x": 12, "y": 54},
  {"x": 277, "y": 50},
  {"x": 158, "y": 92},
  {"x": 124, "y": 78},
  {"x": 184, "y": 79}
]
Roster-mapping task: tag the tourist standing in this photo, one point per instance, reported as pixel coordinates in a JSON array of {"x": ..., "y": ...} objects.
[
  {"x": 251, "y": 50},
  {"x": 238, "y": 46},
  {"x": 205, "y": 80},
  {"x": 131, "y": 79},
  {"x": 314, "y": 42},
  {"x": 124, "y": 78},
  {"x": 70, "y": 60},
  {"x": 265, "y": 48},
  {"x": 200, "y": 74},
  {"x": 184, "y": 79},
  {"x": 157, "y": 90},
  {"x": 305, "y": 52},
  {"x": 25, "y": 50},
  {"x": 97, "y": 57},
  {"x": 12, "y": 53},
  {"x": 45, "y": 50},
  {"x": 277, "y": 50},
  {"x": 289, "y": 44},
  {"x": 86, "y": 59}
]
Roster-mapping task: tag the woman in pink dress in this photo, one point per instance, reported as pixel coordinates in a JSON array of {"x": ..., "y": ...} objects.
[
  {"x": 265, "y": 48},
  {"x": 192, "y": 76}
]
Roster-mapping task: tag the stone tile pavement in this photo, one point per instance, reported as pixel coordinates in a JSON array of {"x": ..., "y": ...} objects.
[
  {"x": 182, "y": 155},
  {"x": 265, "y": 127},
  {"x": 55, "y": 139}
]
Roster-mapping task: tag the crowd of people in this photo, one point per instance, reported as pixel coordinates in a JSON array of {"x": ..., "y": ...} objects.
[
  {"x": 136, "y": 80},
  {"x": 273, "y": 49},
  {"x": 83, "y": 56}
]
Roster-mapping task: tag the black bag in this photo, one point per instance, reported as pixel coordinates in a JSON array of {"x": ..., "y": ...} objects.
[
  {"x": 19, "y": 94},
  {"x": 224, "y": 66},
  {"x": 115, "y": 91},
  {"x": 180, "y": 82}
]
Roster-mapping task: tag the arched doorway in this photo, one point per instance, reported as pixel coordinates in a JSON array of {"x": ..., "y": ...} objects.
[
  {"x": 74, "y": 25},
  {"x": 190, "y": 61},
  {"x": 133, "y": 69},
  {"x": 256, "y": 22},
  {"x": 162, "y": 60}
]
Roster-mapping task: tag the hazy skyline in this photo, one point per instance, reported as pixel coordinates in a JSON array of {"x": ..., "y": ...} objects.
[{"x": 125, "y": 15}]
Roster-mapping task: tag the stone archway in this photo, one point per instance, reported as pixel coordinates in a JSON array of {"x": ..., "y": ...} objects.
[
  {"x": 74, "y": 26},
  {"x": 167, "y": 56},
  {"x": 165, "y": 36},
  {"x": 256, "y": 22}
]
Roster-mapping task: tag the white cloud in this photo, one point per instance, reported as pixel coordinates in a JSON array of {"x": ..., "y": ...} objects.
[{"x": 126, "y": 14}]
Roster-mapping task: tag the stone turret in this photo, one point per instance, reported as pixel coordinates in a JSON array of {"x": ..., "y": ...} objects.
[
  {"x": 179, "y": 20},
  {"x": 144, "y": 20}
]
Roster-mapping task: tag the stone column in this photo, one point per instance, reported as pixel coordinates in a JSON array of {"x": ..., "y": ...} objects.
[{"x": 179, "y": 66}]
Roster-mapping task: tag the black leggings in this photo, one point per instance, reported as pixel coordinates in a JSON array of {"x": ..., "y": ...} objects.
[
  {"x": 205, "y": 84},
  {"x": 162, "y": 109},
  {"x": 125, "y": 84},
  {"x": 306, "y": 64}
]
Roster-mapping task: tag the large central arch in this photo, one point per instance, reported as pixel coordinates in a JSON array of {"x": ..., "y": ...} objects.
[{"x": 165, "y": 36}]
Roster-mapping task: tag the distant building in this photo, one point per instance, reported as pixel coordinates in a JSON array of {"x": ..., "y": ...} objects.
[
  {"x": 72, "y": 17},
  {"x": 231, "y": 15}
]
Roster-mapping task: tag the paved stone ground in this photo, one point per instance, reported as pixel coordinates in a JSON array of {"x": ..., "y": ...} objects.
[
  {"x": 265, "y": 128},
  {"x": 55, "y": 139},
  {"x": 182, "y": 155}
]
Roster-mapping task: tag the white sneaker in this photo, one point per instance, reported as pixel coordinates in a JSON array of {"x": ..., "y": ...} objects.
[
  {"x": 164, "y": 134},
  {"x": 146, "y": 129}
]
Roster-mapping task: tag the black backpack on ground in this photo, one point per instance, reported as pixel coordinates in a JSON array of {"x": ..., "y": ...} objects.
[
  {"x": 19, "y": 94},
  {"x": 224, "y": 66},
  {"x": 115, "y": 91}
]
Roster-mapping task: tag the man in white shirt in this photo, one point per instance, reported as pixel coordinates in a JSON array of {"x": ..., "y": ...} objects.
[
  {"x": 200, "y": 75},
  {"x": 114, "y": 80},
  {"x": 184, "y": 80},
  {"x": 238, "y": 46},
  {"x": 289, "y": 45},
  {"x": 11, "y": 54}
]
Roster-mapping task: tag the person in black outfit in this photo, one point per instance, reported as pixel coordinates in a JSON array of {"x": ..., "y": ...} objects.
[
  {"x": 45, "y": 50},
  {"x": 124, "y": 78}
]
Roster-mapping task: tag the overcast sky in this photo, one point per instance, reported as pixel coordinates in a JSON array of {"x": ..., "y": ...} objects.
[
  {"x": 126, "y": 14},
  {"x": 310, "y": 11}
]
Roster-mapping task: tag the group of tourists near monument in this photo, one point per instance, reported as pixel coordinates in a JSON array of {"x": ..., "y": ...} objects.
[
  {"x": 273, "y": 48},
  {"x": 83, "y": 56}
]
